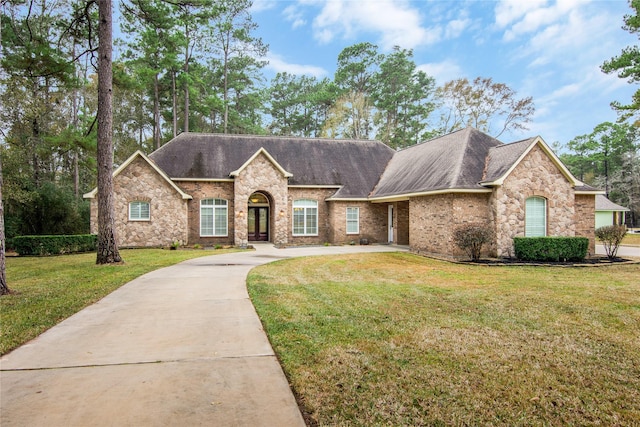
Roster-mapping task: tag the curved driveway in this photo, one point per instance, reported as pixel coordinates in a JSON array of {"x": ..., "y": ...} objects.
[{"x": 182, "y": 345}]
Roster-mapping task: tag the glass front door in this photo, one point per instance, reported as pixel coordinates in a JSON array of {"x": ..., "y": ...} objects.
[{"x": 258, "y": 226}]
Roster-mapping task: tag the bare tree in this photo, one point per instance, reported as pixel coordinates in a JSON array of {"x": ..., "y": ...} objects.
[
  {"x": 483, "y": 104},
  {"x": 107, "y": 243}
]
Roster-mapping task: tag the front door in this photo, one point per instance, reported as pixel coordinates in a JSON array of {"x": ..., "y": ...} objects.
[{"x": 258, "y": 226}]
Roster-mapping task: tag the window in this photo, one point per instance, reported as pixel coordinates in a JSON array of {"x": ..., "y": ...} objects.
[
  {"x": 305, "y": 217},
  {"x": 353, "y": 220},
  {"x": 536, "y": 217},
  {"x": 139, "y": 211},
  {"x": 213, "y": 217}
]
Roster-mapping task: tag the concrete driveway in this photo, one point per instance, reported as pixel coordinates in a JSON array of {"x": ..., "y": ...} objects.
[
  {"x": 623, "y": 251},
  {"x": 182, "y": 345}
]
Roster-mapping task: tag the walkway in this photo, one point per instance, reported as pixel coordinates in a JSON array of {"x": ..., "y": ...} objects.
[{"x": 178, "y": 346}]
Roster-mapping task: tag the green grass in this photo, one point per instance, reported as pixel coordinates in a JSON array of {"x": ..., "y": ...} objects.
[
  {"x": 396, "y": 339},
  {"x": 47, "y": 290}
]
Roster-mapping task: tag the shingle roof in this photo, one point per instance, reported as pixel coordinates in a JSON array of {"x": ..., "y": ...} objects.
[
  {"x": 453, "y": 161},
  {"x": 502, "y": 157},
  {"x": 354, "y": 164},
  {"x": 604, "y": 204}
]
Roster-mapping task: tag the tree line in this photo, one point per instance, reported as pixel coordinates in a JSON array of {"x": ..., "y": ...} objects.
[{"x": 195, "y": 66}]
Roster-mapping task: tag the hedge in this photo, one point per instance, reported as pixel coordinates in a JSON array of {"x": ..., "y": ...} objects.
[
  {"x": 554, "y": 249},
  {"x": 54, "y": 245}
]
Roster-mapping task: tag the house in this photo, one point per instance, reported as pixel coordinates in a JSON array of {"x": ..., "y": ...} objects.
[
  {"x": 213, "y": 189},
  {"x": 609, "y": 213}
]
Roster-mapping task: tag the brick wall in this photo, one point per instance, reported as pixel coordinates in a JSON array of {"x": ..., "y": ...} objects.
[
  {"x": 373, "y": 222},
  {"x": 585, "y": 219},
  {"x": 201, "y": 190},
  {"x": 433, "y": 220},
  {"x": 320, "y": 195}
]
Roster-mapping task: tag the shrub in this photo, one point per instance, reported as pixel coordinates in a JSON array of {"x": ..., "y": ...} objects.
[
  {"x": 552, "y": 249},
  {"x": 54, "y": 245},
  {"x": 611, "y": 236},
  {"x": 471, "y": 237}
]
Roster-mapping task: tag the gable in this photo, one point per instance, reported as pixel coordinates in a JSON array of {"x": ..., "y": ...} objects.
[
  {"x": 139, "y": 155},
  {"x": 264, "y": 153},
  {"x": 502, "y": 161}
]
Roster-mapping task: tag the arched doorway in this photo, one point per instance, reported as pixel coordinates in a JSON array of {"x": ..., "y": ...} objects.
[{"x": 258, "y": 218}]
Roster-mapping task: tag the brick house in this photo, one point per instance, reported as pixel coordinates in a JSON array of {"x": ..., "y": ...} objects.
[{"x": 235, "y": 189}]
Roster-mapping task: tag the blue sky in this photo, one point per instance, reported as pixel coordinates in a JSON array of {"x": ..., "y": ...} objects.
[{"x": 550, "y": 50}]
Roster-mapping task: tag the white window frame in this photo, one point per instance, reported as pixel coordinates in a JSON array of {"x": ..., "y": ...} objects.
[
  {"x": 351, "y": 221},
  {"x": 136, "y": 212},
  {"x": 215, "y": 209},
  {"x": 535, "y": 217},
  {"x": 308, "y": 209}
]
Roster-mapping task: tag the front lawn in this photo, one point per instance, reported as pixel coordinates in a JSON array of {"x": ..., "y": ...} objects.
[
  {"x": 631, "y": 239},
  {"x": 397, "y": 339},
  {"x": 50, "y": 289}
]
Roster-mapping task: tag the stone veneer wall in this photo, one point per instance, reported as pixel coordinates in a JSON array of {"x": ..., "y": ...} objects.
[
  {"x": 535, "y": 175},
  {"x": 373, "y": 222},
  {"x": 200, "y": 190},
  {"x": 168, "y": 211},
  {"x": 261, "y": 175},
  {"x": 433, "y": 219},
  {"x": 585, "y": 219}
]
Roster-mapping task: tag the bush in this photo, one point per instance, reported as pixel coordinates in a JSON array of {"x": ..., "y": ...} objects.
[
  {"x": 54, "y": 245},
  {"x": 471, "y": 237},
  {"x": 551, "y": 249},
  {"x": 611, "y": 236}
]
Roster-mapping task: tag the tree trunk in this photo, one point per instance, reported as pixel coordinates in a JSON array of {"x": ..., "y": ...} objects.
[
  {"x": 156, "y": 112},
  {"x": 107, "y": 242},
  {"x": 4, "y": 289},
  {"x": 186, "y": 84},
  {"x": 175, "y": 103}
]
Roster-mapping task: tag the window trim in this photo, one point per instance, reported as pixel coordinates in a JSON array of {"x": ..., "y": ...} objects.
[
  {"x": 306, "y": 215},
  {"x": 351, "y": 221},
  {"x": 533, "y": 230},
  {"x": 139, "y": 203},
  {"x": 213, "y": 208}
]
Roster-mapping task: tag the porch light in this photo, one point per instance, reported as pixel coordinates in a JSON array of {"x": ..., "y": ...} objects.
[
  {"x": 281, "y": 213},
  {"x": 240, "y": 214}
]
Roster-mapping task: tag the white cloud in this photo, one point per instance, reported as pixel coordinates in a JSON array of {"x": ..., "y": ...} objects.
[
  {"x": 456, "y": 27},
  {"x": 260, "y": 5},
  {"x": 279, "y": 65},
  {"x": 521, "y": 18},
  {"x": 396, "y": 22},
  {"x": 442, "y": 71},
  {"x": 294, "y": 15}
]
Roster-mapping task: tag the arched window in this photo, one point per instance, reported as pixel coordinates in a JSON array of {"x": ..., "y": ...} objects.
[
  {"x": 305, "y": 217},
  {"x": 213, "y": 218},
  {"x": 536, "y": 217}
]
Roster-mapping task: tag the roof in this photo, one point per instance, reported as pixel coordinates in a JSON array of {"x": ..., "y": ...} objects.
[
  {"x": 354, "y": 165},
  {"x": 452, "y": 162},
  {"x": 604, "y": 204},
  {"x": 502, "y": 158}
]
